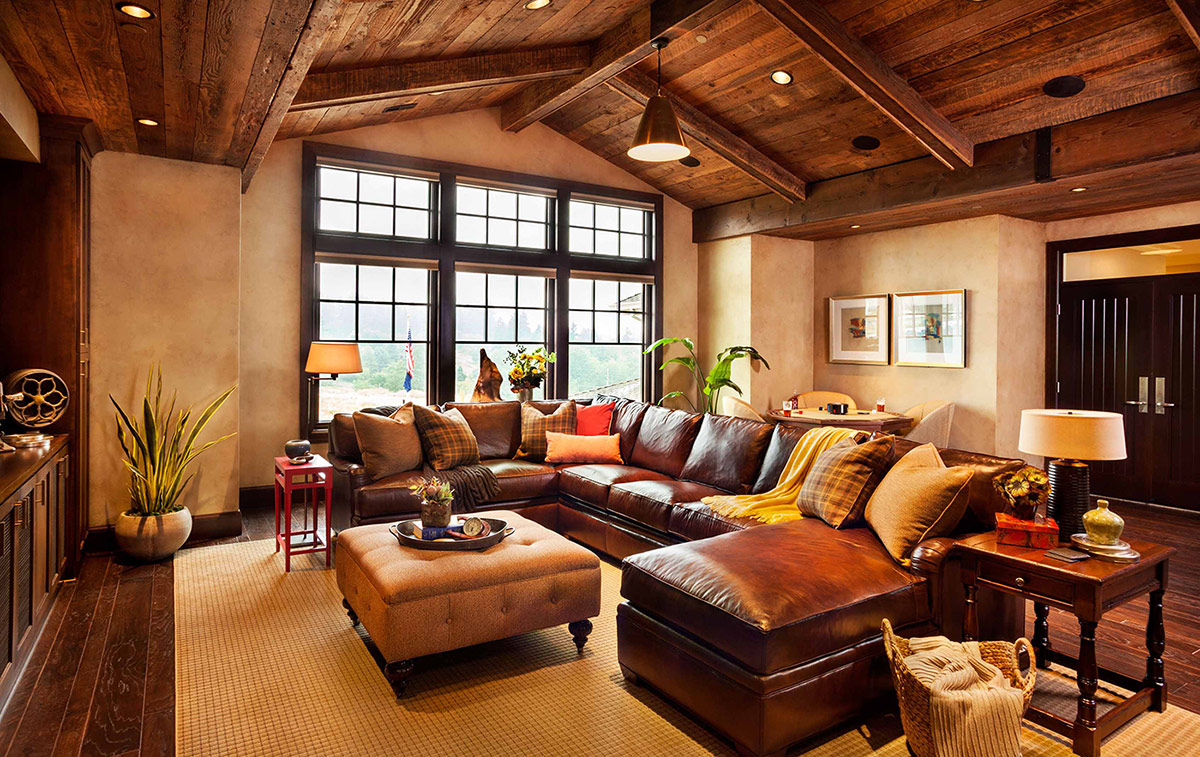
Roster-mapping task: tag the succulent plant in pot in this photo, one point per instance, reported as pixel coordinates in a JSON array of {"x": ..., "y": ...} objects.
[{"x": 159, "y": 448}]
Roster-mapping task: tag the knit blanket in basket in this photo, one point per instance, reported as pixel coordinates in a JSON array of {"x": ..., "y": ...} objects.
[{"x": 974, "y": 711}]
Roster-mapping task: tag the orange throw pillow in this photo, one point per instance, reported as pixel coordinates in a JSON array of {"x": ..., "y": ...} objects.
[{"x": 576, "y": 448}]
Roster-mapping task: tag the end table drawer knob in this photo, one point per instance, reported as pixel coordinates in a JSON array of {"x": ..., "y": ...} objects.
[{"x": 1020, "y": 582}]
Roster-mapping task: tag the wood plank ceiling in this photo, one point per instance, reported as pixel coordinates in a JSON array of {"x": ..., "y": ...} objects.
[{"x": 920, "y": 76}]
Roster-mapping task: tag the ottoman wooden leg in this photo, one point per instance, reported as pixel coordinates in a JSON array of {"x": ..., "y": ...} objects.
[
  {"x": 579, "y": 631},
  {"x": 397, "y": 674},
  {"x": 350, "y": 611}
]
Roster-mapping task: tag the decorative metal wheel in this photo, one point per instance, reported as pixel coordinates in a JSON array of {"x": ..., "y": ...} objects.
[{"x": 36, "y": 397}]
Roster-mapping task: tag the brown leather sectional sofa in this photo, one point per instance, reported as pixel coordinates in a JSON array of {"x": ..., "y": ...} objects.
[{"x": 768, "y": 633}]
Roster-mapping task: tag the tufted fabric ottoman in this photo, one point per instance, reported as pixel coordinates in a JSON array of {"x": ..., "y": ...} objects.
[{"x": 415, "y": 602}]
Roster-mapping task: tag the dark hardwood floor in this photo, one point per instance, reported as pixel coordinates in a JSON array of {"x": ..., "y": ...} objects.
[{"x": 102, "y": 678}]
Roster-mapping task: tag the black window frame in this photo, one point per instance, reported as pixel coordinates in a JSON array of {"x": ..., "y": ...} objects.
[{"x": 446, "y": 256}]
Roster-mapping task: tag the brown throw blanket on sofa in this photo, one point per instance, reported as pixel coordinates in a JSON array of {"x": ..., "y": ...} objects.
[{"x": 472, "y": 484}]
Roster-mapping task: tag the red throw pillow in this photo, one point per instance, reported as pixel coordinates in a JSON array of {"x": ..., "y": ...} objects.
[
  {"x": 594, "y": 420},
  {"x": 573, "y": 448}
]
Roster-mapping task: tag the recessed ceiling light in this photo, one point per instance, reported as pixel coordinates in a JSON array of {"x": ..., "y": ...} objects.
[
  {"x": 1063, "y": 86},
  {"x": 1166, "y": 251},
  {"x": 701, "y": 39},
  {"x": 147, "y": 122},
  {"x": 865, "y": 142},
  {"x": 691, "y": 161},
  {"x": 135, "y": 10},
  {"x": 856, "y": 225},
  {"x": 1078, "y": 189},
  {"x": 534, "y": 5},
  {"x": 781, "y": 77}
]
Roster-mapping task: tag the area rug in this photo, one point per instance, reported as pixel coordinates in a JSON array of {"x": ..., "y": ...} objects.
[{"x": 269, "y": 665}]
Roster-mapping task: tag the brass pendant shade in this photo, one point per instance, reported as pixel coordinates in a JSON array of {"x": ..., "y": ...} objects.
[{"x": 658, "y": 137}]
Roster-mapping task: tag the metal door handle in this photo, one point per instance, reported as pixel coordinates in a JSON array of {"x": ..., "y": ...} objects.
[
  {"x": 1160, "y": 396},
  {"x": 1143, "y": 400}
]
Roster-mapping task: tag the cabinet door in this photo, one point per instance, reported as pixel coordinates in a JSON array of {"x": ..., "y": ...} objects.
[
  {"x": 6, "y": 590},
  {"x": 23, "y": 545},
  {"x": 41, "y": 539}
]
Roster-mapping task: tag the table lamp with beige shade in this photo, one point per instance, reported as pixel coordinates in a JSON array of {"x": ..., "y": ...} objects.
[
  {"x": 1071, "y": 437},
  {"x": 326, "y": 361}
]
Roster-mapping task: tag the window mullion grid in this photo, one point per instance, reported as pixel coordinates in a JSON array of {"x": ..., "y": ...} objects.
[{"x": 562, "y": 290}]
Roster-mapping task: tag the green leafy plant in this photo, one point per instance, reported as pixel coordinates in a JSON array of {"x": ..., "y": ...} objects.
[
  {"x": 709, "y": 387},
  {"x": 160, "y": 447}
]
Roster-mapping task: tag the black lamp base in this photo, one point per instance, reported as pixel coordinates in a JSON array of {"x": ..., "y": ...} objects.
[{"x": 1070, "y": 487}]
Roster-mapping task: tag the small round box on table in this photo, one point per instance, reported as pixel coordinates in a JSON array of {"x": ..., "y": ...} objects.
[{"x": 314, "y": 476}]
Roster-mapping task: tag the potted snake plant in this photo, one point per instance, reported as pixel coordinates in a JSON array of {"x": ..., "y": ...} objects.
[{"x": 159, "y": 447}]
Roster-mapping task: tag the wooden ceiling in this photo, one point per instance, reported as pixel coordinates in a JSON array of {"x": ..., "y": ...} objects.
[{"x": 924, "y": 77}]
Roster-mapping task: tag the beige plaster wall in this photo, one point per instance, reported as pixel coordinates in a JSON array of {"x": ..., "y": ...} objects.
[
  {"x": 723, "y": 290},
  {"x": 270, "y": 274},
  {"x": 781, "y": 303},
  {"x": 1164, "y": 216},
  {"x": 165, "y": 247},
  {"x": 1020, "y": 328},
  {"x": 18, "y": 120}
]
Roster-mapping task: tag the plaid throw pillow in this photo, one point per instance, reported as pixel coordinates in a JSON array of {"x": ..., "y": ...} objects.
[
  {"x": 843, "y": 478},
  {"x": 446, "y": 438},
  {"x": 535, "y": 424}
]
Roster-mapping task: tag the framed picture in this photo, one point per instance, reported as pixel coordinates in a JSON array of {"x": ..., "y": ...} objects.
[
  {"x": 859, "y": 329},
  {"x": 930, "y": 328}
]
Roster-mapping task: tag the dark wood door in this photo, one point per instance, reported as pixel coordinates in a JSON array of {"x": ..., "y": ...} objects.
[{"x": 1130, "y": 346}]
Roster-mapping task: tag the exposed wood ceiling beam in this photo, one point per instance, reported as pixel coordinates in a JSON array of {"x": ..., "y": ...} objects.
[
  {"x": 416, "y": 77},
  {"x": 1113, "y": 155},
  {"x": 640, "y": 88},
  {"x": 1188, "y": 13},
  {"x": 320, "y": 15},
  {"x": 862, "y": 69},
  {"x": 617, "y": 49}
]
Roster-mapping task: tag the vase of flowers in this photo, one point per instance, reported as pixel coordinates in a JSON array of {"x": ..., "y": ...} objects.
[
  {"x": 529, "y": 368},
  {"x": 1025, "y": 490},
  {"x": 437, "y": 499}
]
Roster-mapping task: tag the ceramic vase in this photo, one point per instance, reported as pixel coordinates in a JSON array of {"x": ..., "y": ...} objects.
[
  {"x": 1102, "y": 525},
  {"x": 150, "y": 538},
  {"x": 525, "y": 395}
]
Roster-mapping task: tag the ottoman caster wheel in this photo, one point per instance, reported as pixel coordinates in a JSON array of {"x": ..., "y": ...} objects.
[
  {"x": 579, "y": 631},
  {"x": 397, "y": 674},
  {"x": 350, "y": 612},
  {"x": 630, "y": 677}
]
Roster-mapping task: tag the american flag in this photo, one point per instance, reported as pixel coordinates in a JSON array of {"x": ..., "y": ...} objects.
[{"x": 410, "y": 361}]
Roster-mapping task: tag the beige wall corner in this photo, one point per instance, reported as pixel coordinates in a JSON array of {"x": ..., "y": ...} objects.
[
  {"x": 1020, "y": 328},
  {"x": 723, "y": 296},
  {"x": 165, "y": 247},
  {"x": 19, "y": 138},
  {"x": 781, "y": 311}
]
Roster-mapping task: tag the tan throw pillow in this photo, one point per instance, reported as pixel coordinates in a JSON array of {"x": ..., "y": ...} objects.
[
  {"x": 535, "y": 424},
  {"x": 843, "y": 478},
  {"x": 446, "y": 438},
  {"x": 918, "y": 499},
  {"x": 388, "y": 445}
]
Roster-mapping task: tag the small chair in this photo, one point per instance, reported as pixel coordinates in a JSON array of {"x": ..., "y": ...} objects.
[
  {"x": 933, "y": 422},
  {"x": 821, "y": 399},
  {"x": 739, "y": 408}
]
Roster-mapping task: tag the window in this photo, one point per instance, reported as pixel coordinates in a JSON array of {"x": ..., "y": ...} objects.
[
  {"x": 607, "y": 336},
  {"x": 496, "y": 312},
  {"x": 365, "y": 202},
  {"x": 472, "y": 258},
  {"x": 384, "y": 309},
  {"x": 606, "y": 229},
  {"x": 503, "y": 218}
]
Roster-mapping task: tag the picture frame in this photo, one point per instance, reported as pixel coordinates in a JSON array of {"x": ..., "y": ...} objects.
[
  {"x": 929, "y": 329},
  {"x": 859, "y": 329}
]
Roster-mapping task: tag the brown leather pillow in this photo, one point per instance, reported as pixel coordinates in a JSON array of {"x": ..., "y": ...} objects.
[
  {"x": 535, "y": 424},
  {"x": 446, "y": 438},
  {"x": 918, "y": 499},
  {"x": 843, "y": 478},
  {"x": 389, "y": 445}
]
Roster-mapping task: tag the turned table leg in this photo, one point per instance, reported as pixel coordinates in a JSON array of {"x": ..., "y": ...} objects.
[
  {"x": 1087, "y": 738},
  {"x": 1156, "y": 643},
  {"x": 350, "y": 612},
  {"x": 579, "y": 631},
  {"x": 1041, "y": 634},
  {"x": 397, "y": 674},
  {"x": 970, "y": 617}
]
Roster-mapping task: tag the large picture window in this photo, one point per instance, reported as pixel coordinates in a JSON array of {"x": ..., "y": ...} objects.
[{"x": 434, "y": 260}]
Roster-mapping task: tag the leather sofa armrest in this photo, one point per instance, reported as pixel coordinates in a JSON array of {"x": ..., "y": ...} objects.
[
  {"x": 355, "y": 473},
  {"x": 348, "y": 477},
  {"x": 929, "y": 556}
]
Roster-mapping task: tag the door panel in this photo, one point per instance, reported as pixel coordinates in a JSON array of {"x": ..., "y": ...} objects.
[{"x": 1176, "y": 409}]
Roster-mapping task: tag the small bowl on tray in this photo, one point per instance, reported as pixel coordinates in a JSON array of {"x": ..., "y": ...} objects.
[{"x": 406, "y": 532}]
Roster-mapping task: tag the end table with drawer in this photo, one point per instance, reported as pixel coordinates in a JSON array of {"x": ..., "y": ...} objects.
[{"x": 1087, "y": 589}]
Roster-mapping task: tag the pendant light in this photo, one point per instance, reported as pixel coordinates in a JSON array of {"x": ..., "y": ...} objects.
[{"x": 658, "y": 137}]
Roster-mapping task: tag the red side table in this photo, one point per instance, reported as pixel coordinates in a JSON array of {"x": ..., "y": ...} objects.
[{"x": 313, "y": 475}]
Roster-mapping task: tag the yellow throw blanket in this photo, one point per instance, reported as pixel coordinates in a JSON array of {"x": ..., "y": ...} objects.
[{"x": 779, "y": 504}]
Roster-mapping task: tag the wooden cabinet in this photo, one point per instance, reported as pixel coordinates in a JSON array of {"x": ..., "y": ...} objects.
[{"x": 34, "y": 494}]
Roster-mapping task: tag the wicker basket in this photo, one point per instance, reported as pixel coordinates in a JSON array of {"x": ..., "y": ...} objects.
[{"x": 914, "y": 696}]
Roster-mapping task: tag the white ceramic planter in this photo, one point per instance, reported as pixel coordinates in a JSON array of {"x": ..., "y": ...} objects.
[{"x": 152, "y": 538}]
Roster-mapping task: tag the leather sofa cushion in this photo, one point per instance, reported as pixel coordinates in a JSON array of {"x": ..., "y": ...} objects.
[
  {"x": 650, "y": 502},
  {"x": 626, "y": 421},
  {"x": 984, "y": 501},
  {"x": 590, "y": 483},
  {"x": 523, "y": 479},
  {"x": 389, "y": 496},
  {"x": 783, "y": 442},
  {"x": 776, "y": 596},
  {"x": 696, "y": 520},
  {"x": 496, "y": 425},
  {"x": 664, "y": 440},
  {"x": 727, "y": 452}
]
